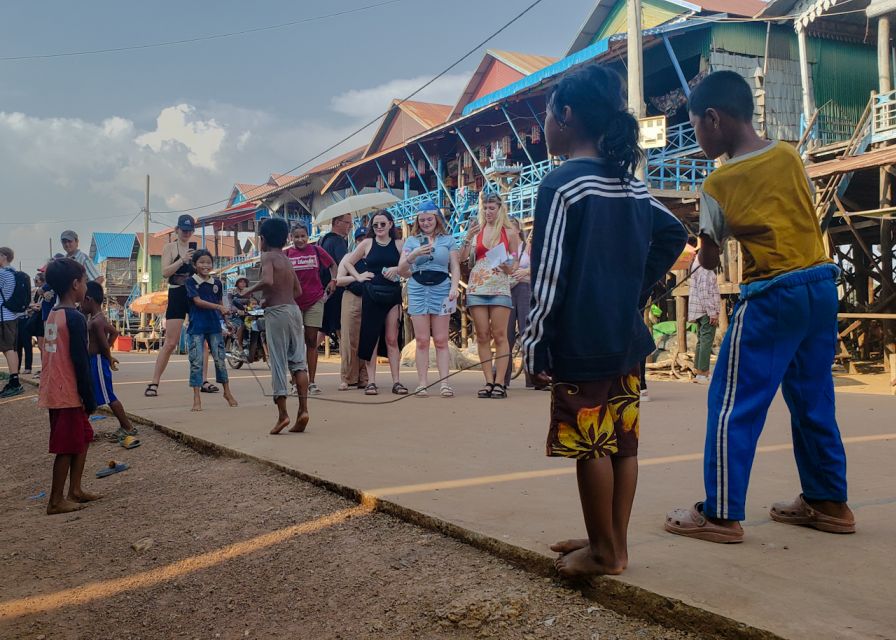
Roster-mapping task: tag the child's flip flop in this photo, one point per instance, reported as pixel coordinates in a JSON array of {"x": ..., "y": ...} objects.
[
  {"x": 129, "y": 442},
  {"x": 114, "y": 467}
]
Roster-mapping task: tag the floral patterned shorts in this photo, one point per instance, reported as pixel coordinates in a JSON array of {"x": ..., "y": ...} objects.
[{"x": 595, "y": 419}]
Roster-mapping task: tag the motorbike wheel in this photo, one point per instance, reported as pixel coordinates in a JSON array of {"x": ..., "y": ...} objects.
[{"x": 234, "y": 362}]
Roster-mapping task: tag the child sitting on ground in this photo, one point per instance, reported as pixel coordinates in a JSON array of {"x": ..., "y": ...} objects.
[
  {"x": 600, "y": 241},
  {"x": 784, "y": 329},
  {"x": 283, "y": 323},
  {"x": 100, "y": 335},
  {"x": 65, "y": 386},
  {"x": 205, "y": 295}
]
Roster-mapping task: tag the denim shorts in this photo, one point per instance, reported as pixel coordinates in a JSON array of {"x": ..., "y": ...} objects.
[
  {"x": 427, "y": 299},
  {"x": 489, "y": 301}
]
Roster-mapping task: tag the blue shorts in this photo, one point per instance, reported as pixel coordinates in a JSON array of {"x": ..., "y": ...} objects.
[
  {"x": 427, "y": 299},
  {"x": 101, "y": 378},
  {"x": 489, "y": 301}
]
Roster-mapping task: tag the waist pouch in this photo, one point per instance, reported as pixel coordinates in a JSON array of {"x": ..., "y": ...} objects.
[
  {"x": 177, "y": 280},
  {"x": 430, "y": 278},
  {"x": 383, "y": 294},
  {"x": 818, "y": 273}
]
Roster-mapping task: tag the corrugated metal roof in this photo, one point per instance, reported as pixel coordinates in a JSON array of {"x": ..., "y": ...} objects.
[
  {"x": 111, "y": 245},
  {"x": 525, "y": 63},
  {"x": 429, "y": 114}
]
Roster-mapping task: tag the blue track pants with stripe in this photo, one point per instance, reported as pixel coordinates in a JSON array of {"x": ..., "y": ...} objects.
[{"x": 783, "y": 334}]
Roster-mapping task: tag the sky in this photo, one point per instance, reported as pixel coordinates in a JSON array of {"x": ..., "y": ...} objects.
[{"x": 78, "y": 134}]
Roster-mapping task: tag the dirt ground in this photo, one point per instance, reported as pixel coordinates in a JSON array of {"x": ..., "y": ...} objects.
[{"x": 188, "y": 546}]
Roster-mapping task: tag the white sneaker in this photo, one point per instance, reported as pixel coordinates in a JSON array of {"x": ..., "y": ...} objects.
[
  {"x": 314, "y": 390},
  {"x": 701, "y": 380},
  {"x": 645, "y": 396}
]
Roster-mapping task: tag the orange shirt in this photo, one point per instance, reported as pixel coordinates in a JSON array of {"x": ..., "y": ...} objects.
[{"x": 65, "y": 372}]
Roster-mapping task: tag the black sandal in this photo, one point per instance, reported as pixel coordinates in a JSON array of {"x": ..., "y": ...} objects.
[
  {"x": 207, "y": 387},
  {"x": 499, "y": 391},
  {"x": 486, "y": 391},
  {"x": 152, "y": 391},
  {"x": 399, "y": 389}
]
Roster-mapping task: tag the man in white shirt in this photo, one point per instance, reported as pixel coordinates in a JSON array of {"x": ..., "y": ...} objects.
[
  {"x": 69, "y": 241},
  {"x": 704, "y": 307}
]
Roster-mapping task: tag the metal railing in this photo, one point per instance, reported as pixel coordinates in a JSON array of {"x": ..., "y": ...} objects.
[
  {"x": 678, "y": 174},
  {"x": 681, "y": 140},
  {"x": 883, "y": 120}
]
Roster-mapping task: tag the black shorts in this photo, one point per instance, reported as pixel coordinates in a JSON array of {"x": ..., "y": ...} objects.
[{"x": 177, "y": 303}]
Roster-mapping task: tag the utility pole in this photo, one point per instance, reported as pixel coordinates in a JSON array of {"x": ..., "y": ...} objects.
[
  {"x": 144, "y": 281},
  {"x": 635, "y": 65}
]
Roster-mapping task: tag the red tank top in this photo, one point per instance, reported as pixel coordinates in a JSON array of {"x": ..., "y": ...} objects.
[{"x": 481, "y": 249}]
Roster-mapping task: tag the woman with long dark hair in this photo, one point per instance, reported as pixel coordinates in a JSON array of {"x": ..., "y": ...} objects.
[
  {"x": 381, "y": 299},
  {"x": 599, "y": 240}
]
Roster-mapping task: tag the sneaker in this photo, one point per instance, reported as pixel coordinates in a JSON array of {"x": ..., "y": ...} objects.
[
  {"x": 645, "y": 396},
  {"x": 10, "y": 391},
  {"x": 314, "y": 390},
  {"x": 701, "y": 380}
]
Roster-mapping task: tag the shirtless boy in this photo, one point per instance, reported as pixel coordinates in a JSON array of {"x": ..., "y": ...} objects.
[
  {"x": 99, "y": 334},
  {"x": 283, "y": 322}
]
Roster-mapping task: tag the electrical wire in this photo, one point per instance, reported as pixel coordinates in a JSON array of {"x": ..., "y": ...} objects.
[
  {"x": 32, "y": 222},
  {"x": 377, "y": 118},
  {"x": 215, "y": 36}
]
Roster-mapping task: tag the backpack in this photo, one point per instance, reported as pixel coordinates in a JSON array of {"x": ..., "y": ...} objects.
[{"x": 21, "y": 295}]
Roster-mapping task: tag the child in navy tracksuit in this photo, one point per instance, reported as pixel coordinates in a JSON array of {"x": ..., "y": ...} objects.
[
  {"x": 600, "y": 242},
  {"x": 784, "y": 329}
]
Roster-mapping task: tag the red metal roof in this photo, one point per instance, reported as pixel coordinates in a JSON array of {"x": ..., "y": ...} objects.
[
  {"x": 745, "y": 8},
  {"x": 525, "y": 63},
  {"x": 156, "y": 243},
  {"x": 429, "y": 114}
]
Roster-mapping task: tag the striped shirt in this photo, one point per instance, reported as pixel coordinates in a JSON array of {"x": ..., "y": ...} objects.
[
  {"x": 599, "y": 244},
  {"x": 8, "y": 287},
  {"x": 84, "y": 260}
]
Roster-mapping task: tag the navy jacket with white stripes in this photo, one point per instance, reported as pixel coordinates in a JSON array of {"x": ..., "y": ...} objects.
[{"x": 599, "y": 243}]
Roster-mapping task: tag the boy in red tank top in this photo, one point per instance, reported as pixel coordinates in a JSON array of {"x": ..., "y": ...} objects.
[{"x": 65, "y": 387}]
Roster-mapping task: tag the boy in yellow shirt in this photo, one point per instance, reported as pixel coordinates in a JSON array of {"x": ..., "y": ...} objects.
[{"x": 784, "y": 329}]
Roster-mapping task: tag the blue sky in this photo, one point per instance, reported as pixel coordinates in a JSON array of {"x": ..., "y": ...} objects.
[{"x": 78, "y": 133}]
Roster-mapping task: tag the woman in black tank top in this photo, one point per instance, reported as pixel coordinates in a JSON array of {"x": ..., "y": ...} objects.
[{"x": 381, "y": 304}]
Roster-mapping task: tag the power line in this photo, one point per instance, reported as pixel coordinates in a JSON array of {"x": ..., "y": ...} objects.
[
  {"x": 377, "y": 118},
  {"x": 33, "y": 222},
  {"x": 215, "y": 36}
]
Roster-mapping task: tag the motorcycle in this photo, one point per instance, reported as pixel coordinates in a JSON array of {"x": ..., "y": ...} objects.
[{"x": 253, "y": 347}]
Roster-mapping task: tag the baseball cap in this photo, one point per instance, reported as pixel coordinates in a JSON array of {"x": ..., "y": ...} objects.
[
  {"x": 186, "y": 223},
  {"x": 69, "y": 235},
  {"x": 427, "y": 206},
  {"x": 360, "y": 232}
]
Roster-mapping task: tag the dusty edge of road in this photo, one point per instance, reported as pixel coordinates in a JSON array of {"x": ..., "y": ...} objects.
[{"x": 618, "y": 596}]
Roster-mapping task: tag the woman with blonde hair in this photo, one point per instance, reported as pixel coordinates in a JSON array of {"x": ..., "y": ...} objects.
[
  {"x": 488, "y": 291},
  {"x": 430, "y": 259}
]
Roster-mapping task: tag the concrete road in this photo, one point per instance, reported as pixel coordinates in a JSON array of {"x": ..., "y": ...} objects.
[{"x": 481, "y": 464}]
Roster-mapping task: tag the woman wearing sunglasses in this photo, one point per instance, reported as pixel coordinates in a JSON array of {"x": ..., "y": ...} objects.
[
  {"x": 430, "y": 258},
  {"x": 381, "y": 299},
  {"x": 488, "y": 291}
]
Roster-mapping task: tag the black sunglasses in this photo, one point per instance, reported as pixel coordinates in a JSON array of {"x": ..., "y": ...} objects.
[{"x": 380, "y": 225}]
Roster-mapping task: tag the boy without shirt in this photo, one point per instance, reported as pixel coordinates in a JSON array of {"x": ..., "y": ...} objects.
[
  {"x": 99, "y": 335},
  {"x": 283, "y": 323}
]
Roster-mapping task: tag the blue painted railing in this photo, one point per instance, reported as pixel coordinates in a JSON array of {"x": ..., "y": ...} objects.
[
  {"x": 681, "y": 140},
  {"x": 678, "y": 174}
]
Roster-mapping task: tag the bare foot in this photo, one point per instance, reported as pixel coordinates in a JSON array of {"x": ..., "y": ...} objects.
[
  {"x": 282, "y": 423},
  {"x": 231, "y": 400},
  {"x": 65, "y": 506},
  {"x": 567, "y": 546},
  {"x": 83, "y": 496},
  {"x": 301, "y": 422},
  {"x": 581, "y": 563}
]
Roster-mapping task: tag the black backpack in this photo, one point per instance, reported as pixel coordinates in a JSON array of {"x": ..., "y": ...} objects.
[{"x": 21, "y": 296}]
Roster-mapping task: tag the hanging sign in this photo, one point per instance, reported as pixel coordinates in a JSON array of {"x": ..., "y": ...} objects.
[{"x": 653, "y": 132}]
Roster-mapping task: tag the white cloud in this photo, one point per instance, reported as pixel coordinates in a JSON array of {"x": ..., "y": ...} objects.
[
  {"x": 368, "y": 103},
  {"x": 178, "y": 126}
]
